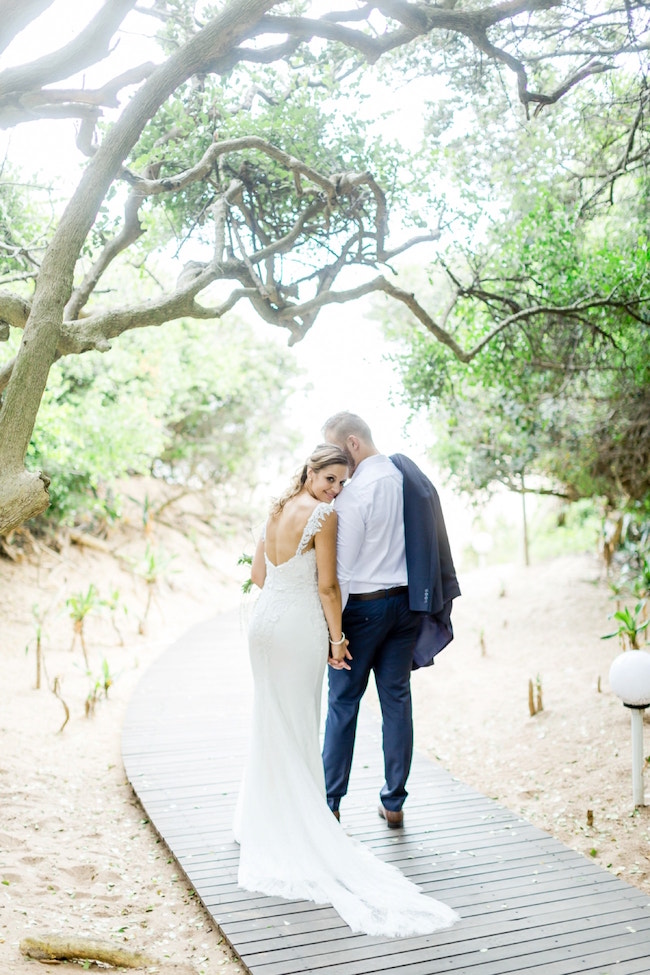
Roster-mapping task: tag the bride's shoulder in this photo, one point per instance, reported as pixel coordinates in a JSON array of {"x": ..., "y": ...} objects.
[
  {"x": 307, "y": 515},
  {"x": 305, "y": 505},
  {"x": 320, "y": 514}
]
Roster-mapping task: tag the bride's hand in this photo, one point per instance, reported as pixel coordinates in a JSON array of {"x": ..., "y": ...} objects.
[
  {"x": 339, "y": 656},
  {"x": 338, "y": 664}
]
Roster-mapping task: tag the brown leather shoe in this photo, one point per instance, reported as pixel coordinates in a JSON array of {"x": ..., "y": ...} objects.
[
  {"x": 394, "y": 817},
  {"x": 336, "y": 814}
]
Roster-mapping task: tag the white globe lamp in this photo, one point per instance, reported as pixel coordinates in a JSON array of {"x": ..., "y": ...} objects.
[{"x": 629, "y": 678}]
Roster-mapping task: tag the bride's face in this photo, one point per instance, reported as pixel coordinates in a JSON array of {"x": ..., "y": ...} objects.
[{"x": 327, "y": 483}]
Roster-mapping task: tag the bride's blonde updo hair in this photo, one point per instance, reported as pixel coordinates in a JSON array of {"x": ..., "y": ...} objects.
[{"x": 324, "y": 455}]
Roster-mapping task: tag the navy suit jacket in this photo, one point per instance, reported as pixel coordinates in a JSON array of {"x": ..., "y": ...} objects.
[{"x": 431, "y": 575}]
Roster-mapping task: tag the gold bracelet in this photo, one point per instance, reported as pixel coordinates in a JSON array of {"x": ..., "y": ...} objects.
[{"x": 337, "y": 643}]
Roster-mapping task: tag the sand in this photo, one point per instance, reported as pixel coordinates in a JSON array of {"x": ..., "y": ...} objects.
[{"x": 77, "y": 856}]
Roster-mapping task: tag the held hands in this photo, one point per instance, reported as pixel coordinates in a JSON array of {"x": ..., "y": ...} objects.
[{"x": 339, "y": 654}]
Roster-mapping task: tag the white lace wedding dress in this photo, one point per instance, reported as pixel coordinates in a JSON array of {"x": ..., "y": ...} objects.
[{"x": 290, "y": 843}]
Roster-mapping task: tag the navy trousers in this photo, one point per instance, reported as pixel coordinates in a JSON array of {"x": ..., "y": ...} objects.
[{"x": 382, "y": 634}]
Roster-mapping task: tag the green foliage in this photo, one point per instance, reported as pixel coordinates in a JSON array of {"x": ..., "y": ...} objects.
[
  {"x": 247, "y": 584},
  {"x": 546, "y": 286},
  {"x": 114, "y": 604},
  {"x": 200, "y": 404},
  {"x": 631, "y": 625},
  {"x": 224, "y": 398},
  {"x": 38, "y": 619},
  {"x": 626, "y": 537},
  {"x": 100, "y": 686},
  {"x": 554, "y": 530},
  {"x": 314, "y": 122},
  {"x": 81, "y": 604},
  {"x": 92, "y": 430},
  {"x": 503, "y": 418},
  {"x": 153, "y": 566},
  {"x": 25, "y": 214}
]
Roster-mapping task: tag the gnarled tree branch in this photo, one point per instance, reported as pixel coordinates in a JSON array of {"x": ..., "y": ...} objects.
[
  {"x": 15, "y": 15},
  {"x": 14, "y": 310},
  {"x": 88, "y": 47}
]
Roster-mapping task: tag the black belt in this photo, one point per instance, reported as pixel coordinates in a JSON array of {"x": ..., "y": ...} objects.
[{"x": 356, "y": 597}]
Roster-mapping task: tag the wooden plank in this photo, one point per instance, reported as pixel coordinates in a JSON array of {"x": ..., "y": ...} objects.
[
  {"x": 478, "y": 938},
  {"x": 486, "y": 934},
  {"x": 484, "y": 938},
  {"x": 528, "y": 904}
]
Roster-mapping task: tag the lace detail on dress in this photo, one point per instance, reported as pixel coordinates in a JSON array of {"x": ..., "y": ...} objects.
[{"x": 314, "y": 524}]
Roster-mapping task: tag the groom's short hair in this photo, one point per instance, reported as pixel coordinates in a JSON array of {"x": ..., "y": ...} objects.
[{"x": 344, "y": 425}]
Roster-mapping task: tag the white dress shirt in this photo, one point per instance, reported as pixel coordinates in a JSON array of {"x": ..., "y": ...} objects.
[{"x": 370, "y": 544}]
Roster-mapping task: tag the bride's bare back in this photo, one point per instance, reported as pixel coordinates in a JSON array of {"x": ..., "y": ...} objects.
[{"x": 284, "y": 530}]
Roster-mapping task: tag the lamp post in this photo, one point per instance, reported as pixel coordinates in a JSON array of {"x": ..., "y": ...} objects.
[{"x": 629, "y": 678}]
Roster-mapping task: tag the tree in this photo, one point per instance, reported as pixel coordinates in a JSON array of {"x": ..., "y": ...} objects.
[
  {"x": 546, "y": 308},
  {"x": 266, "y": 207}
]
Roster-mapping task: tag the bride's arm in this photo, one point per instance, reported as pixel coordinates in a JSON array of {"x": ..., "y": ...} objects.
[
  {"x": 258, "y": 568},
  {"x": 328, "y": 587}
]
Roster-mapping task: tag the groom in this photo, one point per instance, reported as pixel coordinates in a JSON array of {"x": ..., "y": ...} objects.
[{"x": 397, "y": 583}]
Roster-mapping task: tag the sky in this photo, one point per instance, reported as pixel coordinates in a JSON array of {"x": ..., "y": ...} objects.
[{"x": 344, "y": 355}]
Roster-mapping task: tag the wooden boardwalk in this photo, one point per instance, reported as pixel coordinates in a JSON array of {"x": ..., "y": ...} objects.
[{"x": 527, "y": 903}]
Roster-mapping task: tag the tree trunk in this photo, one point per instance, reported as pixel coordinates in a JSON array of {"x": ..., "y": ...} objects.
[{"x": 23, "y": 495}]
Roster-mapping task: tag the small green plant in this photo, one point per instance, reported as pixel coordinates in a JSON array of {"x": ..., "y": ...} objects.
[
  {"x": 38, "y": 618},
  {"x": 81, "y": 605},
  {"x": 147, "y": 516},
  {"x": 245, "y": 559},
  {"x": 152, "y": 568},
  {"x": 617, "y": 590},
  {"x": 633, "y": 580},
  {"x": 100, "y": 688},
  {"x": 113, "y": 605},
  {"x": 631, "y": 625}
]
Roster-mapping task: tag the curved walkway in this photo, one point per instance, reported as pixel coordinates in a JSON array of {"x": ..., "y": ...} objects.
[{"x": 528, "y": 904}]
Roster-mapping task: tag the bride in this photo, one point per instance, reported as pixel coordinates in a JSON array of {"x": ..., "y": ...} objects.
[{"x": 290, "y": 843}]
